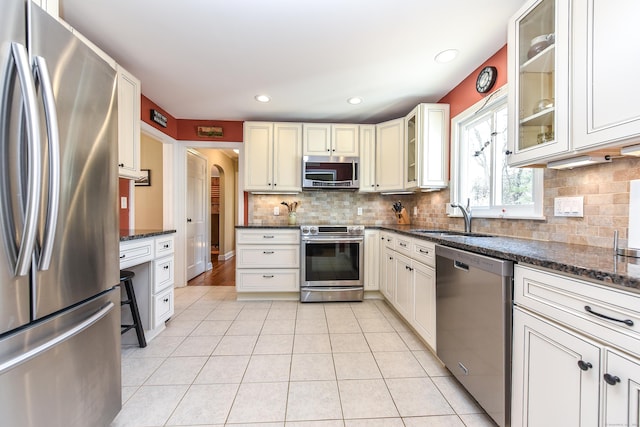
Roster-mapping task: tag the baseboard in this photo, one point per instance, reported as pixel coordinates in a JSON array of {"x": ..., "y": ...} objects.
[{"x": 226, "y": 256}]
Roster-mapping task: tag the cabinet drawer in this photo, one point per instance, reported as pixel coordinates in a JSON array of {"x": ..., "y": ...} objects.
[
  {"x": 424, "y": 252},
  {"x": 403, "y": 245},
  {"x": 164, "y": 246},
  {"x": 262, "y": 256},
  {"x": 162, "y": 307},
  {"x": 565, "y": 299},
  {"x": 389, "y": 240},
  {"x": 135, "y": 252},
  {"x": 163, "y": 273},
  {"x": 268, "y": 236},
  {"x": 268, "y": 280}
]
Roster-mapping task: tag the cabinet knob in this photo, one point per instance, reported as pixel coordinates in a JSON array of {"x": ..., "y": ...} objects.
[
  {"x": 120, "y": 165},
  {"x": 166, "y": 300},
  {"x": 188, "y": 219},
  {"x": 274, "y": 184},
  {"x": 122, "y": 256},
  {"x": 508, "y": 152},
  {"x": 333, "y": 149},
  {"x": 328, "y": 149},
  {"x": 166, "y": 267},
  {"x": 611, "y": 379},
  {"x": 585, "y": 366}
]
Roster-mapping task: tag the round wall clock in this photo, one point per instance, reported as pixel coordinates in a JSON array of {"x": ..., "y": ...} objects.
[{"x": 486, "y": 79}]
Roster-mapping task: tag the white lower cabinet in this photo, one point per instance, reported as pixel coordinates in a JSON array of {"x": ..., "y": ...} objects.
[
  {"x": 571, "y": 367},
  {"x": 371, "y": 258},
  {"x": 407, "y": 281},
  {"x": 152, "y": 261},
  {"x": 267, "y": 260}
]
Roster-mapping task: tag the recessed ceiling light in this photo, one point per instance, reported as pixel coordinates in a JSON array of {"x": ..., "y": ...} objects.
[
  {"x": 262, "y": 98},
  {"x": 446, "y": 56},
  {"x": 354, "y": 100}
]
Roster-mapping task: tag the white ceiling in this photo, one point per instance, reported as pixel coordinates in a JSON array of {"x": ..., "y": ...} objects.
[{"x": 207, "y": 59}]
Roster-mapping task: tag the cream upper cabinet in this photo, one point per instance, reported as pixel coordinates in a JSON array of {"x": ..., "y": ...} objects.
[
  {"x": 321, "y": 139},
  {"x": 128, "y": 124},
  {"x": 538, "y": 64},
  {"x": 367, "y": 158},
  {"x": 390, "y": 155},
  {"x": 606, "y": 65},
  {"x": 273, "y": 157},
  {"x": 426, "y": 147}
]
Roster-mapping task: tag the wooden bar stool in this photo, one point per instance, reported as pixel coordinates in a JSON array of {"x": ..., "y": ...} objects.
[{"x": 126, "y": 279}]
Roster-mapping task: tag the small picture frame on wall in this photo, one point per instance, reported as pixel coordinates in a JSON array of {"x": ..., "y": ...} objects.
[
  {"x": 145, "y": 178},
  {"x": 210, "y": 132}
]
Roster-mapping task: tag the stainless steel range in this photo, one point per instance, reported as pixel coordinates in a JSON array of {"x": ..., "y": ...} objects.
[{"x": 332, "y": 263}]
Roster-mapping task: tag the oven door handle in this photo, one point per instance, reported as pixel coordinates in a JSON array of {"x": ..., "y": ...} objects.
[{"x": 332, "y": 240}]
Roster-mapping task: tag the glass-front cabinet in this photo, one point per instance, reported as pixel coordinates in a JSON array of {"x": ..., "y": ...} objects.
[{"x": 538, "y": 52}]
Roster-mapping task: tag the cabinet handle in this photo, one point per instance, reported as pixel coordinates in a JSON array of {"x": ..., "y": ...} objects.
[
  {"x": 404, "y": 245},
  {"x": 390, "y": 257},
  {"x": 166, "y": 300},
  {"x": 267, "y": 252},
  {"x": 627, "y": 322},
  {"x": 120, "y": 165},
  {"x": 122, "y": 256},
  {"x": 268, "y": 237},
  {"x": 166, "y": 246},
  {"x": 188, "y": 219},
  {"x": 166, "y": 267},
  {"x": 611, "y": 379},
  {"x": 585, "y": 366},
  {"x": 423, "y": 252},
  {"x": 268, "y": 276},
  {"x": 508, "y": 152}
]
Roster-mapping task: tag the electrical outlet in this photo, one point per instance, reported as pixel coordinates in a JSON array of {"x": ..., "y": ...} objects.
[
  {"x": 276, "y": 210},
  {"x": 359, "y": 211},
  {"x": 569, "y": 206},
  {"x": 415, "y": 211},
  {"x": 123, "y": 203}
]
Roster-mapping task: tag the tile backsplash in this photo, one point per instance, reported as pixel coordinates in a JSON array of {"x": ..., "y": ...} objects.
[{"x": 605, "y": 188}]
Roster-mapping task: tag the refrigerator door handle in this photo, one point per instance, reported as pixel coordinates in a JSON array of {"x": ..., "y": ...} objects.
[
  {"x": 87, "y": 323},
  {"x": 30, "y": 228},
  {"x": 42, "y": 75}
]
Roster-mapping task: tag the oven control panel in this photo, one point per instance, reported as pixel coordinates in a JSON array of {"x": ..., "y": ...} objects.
[{"x": 332, "y": 230}]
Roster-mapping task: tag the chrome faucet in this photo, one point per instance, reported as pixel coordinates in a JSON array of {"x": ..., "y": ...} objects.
[{"x": 466, "y": 213}]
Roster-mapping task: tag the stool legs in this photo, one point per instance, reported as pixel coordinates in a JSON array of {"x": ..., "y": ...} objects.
[{"x": 135, "y": 314}]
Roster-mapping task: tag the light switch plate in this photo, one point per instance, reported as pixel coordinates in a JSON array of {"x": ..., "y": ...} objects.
[
  {"x": 359, "y": 211},
  {"x": 569, "y": 206},
  {"x": 123, "y": 203},
  {"x": 276, "y": 210}
]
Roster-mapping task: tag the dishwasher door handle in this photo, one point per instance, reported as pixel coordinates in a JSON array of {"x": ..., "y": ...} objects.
[{"x": 461, "y": 266}]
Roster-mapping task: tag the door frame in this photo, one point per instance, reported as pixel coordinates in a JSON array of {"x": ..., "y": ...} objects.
[{"x": 174, "y": 158}]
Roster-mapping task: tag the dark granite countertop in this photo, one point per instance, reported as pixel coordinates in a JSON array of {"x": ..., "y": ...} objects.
[
  {"x": 591, "y": 263},
  {"x": 133, "y": 234},
  {"x": 283, "y": 226}
]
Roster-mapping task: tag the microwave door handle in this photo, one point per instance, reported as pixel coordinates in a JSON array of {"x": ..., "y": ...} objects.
[
  {"x": 42, "y": 75},
  {"x": 34, "y": 171}
]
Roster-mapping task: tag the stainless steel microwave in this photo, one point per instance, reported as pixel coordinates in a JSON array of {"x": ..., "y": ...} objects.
[{"x": 336, "y": 172}]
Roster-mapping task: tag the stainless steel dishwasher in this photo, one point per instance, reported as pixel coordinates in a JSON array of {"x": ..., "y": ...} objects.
[{"x": 473, "y": 325}]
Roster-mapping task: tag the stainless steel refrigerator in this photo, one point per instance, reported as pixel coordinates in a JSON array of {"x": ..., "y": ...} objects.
[{"x": 59, "y": 301}]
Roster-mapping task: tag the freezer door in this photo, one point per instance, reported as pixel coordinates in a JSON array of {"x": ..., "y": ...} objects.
[
  {"x": 84, "y": 251},
  {"x": 14, "y": 290},
  {"x": 64, "y": 371}
]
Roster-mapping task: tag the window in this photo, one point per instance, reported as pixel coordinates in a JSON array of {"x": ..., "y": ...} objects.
[{"x": 479, "y": 165}]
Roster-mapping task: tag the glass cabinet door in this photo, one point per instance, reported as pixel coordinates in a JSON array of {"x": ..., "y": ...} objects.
[
  {"x": 411, "y": 134},
  {"x": 538, "y": 61}
]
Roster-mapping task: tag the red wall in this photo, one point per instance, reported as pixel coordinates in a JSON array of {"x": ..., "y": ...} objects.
[
  {"x": 146, "y": 105},
  {"x": 124, "y": 213},
  {"x": 465, "y": 95}
]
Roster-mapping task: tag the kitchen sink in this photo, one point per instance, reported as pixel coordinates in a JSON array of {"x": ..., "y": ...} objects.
[{"x": 449, "y": 233}]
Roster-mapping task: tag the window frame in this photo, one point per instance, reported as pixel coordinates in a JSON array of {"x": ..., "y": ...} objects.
[{"x": 492, "y": 102}]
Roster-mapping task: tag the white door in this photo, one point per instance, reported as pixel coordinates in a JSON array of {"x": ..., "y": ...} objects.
[{"x": 196, "y": 226}]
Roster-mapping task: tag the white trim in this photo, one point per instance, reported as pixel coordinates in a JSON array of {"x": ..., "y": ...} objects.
[
  {"x": 226, "y": 256},
  {"x": 527, "y": 213}
]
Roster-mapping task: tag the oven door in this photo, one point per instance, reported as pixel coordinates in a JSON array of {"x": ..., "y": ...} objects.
[{"x": 331, "y": 261}]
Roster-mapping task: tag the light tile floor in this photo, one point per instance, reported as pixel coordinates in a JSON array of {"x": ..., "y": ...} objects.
[{"x": 222, "y": 362}]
